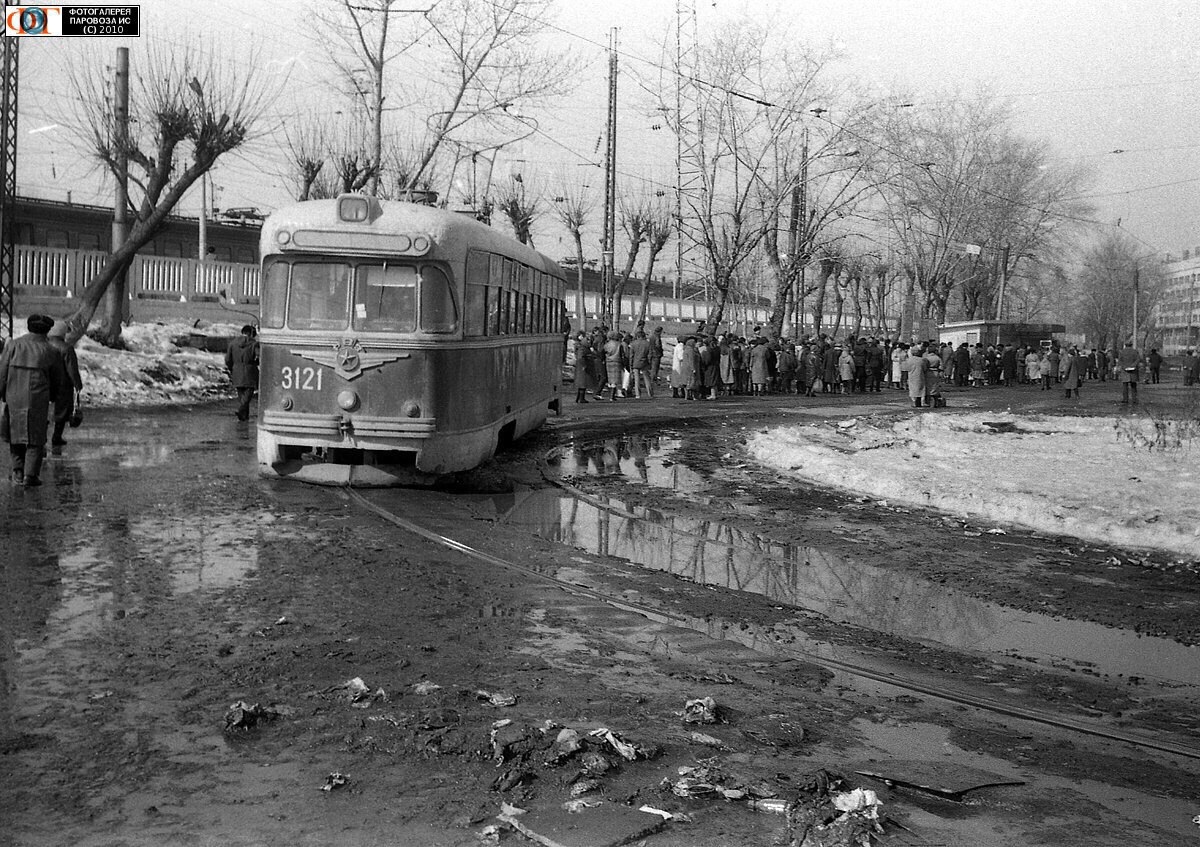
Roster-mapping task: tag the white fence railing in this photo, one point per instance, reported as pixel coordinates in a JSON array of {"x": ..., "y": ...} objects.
[{"x": 63, "y": 272}]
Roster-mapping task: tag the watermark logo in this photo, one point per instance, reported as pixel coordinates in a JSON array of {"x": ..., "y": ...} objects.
[{"x": 49, "y": 21}]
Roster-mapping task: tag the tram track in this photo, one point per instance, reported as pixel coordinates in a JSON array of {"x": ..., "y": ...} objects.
[{"x": 860, "y": 671}]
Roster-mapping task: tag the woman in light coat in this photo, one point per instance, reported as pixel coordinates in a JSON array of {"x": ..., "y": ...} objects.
[
  {"x": 916, "y": 366},
  {"x": 846, "y": 369}
]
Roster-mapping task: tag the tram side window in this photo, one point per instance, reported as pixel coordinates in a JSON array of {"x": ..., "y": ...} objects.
[
  {"x": 497, "y": 296},
  {"x": 319, "y": 296},
  {"x": 475, "y": 309},
  {"x": 274, "y": 295},
  {"x": 493, "y": 318},
  {"x": 386, "y": 298},
  {"x": 475, "y": 316},
  {"x": 437, "y": 302}
]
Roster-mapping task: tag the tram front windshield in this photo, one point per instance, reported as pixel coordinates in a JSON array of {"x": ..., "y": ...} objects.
[{"x": 370, "y": 297}]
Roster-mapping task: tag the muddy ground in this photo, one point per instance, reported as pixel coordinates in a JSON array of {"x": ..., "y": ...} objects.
[{"x": 155, "y": 581}]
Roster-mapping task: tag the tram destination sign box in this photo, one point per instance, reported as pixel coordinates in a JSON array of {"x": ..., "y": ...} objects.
[{"x": 50, "y": 21}]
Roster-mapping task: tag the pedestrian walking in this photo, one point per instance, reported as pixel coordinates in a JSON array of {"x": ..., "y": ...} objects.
[
  {"x": 32, "y": 376},
  {"x": 241, "y": 360},
  {"x": 64, "y": 411},
  {"x": 1129, "y": 368}
]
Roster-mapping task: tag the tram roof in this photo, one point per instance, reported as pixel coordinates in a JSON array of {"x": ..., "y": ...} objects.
[{"x": 453, "y": 232}]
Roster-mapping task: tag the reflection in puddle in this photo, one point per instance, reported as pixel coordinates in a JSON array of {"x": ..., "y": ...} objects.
[
  {"x": 218, "y": 553},
  {"x": 897, "y": 603},
  {"x": 644, "y": 458}
]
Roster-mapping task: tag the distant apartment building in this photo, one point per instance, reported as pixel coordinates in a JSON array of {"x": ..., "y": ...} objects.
[{"x": 1177, "y": 313}]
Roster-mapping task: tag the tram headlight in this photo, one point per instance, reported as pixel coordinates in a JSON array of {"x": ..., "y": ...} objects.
[
  {"x": 286, "y": 403},
  {"x": 347, "y": 400},
  {"x": 411, "y": 409},
  {"x": 420, "y": 244},
  {"x": 283, "y": 237}
]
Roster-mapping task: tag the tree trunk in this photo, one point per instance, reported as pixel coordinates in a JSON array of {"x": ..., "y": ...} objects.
[{"x": 580, "y": 300}]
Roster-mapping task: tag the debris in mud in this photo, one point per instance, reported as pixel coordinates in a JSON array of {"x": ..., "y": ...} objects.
[
  {"x": 426, "y": 687},
  {"x": 499, "y": 699},
  {"x": 358, "y": 693},
  {"x": 828, "y": 813},
  {"x": 242, "y": 716},
  {"x": 626, "y": 749},
  {"x": 566, "y": 745},
  {"x": 601, "y": 825},
  {"x": 702, "y": 710},
  {"x": 510, "y": 740},
  {"x": 335, "y": 780},
  {"x": 101, "y": 695}
]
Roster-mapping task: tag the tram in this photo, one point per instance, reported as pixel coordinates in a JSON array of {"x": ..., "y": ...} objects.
[{"x": 400, "y": 342}]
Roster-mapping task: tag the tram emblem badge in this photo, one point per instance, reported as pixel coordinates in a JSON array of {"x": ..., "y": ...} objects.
[{"x": 349, "y": 358}]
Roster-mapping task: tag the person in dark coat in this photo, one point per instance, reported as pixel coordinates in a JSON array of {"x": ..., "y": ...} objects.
[
  {"x": 63, "y": 411},
  {"x": 1129, "y": 369},
  {"x": 241, "y": 360},
  {"x": 962, "y": 365},
  {"x": 32, "y": 376},
  {"x": 1008, "y": 365},
  {"x": 1154, "y": 360}
]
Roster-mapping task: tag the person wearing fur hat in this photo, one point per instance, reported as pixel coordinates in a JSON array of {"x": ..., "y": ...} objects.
[
  {"x": 63, "y": 411},
  {"x": 32, "y": 376}
]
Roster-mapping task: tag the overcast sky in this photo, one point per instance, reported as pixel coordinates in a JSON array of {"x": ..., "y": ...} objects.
[{"x": 1089, "y": 76}]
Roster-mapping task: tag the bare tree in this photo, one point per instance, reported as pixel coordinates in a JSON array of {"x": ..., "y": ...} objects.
[
  {"x": 362, "y": 42},
  {"x": 188, "y": 107},
  {"x": 966, "y": 198},
  {"x": 573, "y": 206},
  {"x": 522, "y": 207},
  {"x": 658, "y": 233},
  {"x": 307, "y": 151},
  {"x": 1105, "y": 291},
  {"x": 634, "y": 219}
]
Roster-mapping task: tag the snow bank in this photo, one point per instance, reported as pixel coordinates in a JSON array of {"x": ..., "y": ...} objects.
[
  {"x": 1069, "y": 475},
  {"x": 153, "y": 370}
]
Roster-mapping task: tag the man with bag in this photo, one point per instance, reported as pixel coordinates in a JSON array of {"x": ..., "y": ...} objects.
[
  {"x": 66, "y": 411},
  {"x": 32, "y": 376}
]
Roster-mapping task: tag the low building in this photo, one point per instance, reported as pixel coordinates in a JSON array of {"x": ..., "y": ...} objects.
[{"x": 1000, "y": 332}]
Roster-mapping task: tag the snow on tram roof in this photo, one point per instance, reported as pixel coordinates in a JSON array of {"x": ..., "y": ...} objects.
[{"x": 451, "y": 231}]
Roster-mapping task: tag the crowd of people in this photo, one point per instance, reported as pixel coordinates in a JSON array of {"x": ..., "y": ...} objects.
[{"x": 703, "y": 366}]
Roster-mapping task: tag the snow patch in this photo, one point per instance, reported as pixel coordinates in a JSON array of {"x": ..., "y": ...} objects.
[{"x": 1066, "y": 475}]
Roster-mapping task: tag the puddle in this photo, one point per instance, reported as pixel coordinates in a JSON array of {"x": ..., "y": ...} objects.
[
  {"x": 923, "y": 748},
  {"x": 219, "y": 552},
  {"x": 711, "y": 553},
  {"x": 635, "y": 458}
]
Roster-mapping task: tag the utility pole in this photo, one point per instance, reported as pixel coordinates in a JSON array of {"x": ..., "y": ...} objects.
[
  {"x": 1003, "y": 283},
  {"x": 1136, "y": 272},
  {"x": 8, "y": 189},
  {"x": 608, "y": 238},
  {"x": 203, "y": 217},
  {"x": 115, "y": 296}
]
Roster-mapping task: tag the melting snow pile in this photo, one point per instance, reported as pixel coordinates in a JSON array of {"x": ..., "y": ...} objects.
[
  {"x": 153, "y": 369},
  {"x": 1070, "y": 475}
]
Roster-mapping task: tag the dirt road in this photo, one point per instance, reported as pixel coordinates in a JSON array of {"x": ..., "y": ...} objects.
[{"x": 155, "y": 581}]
